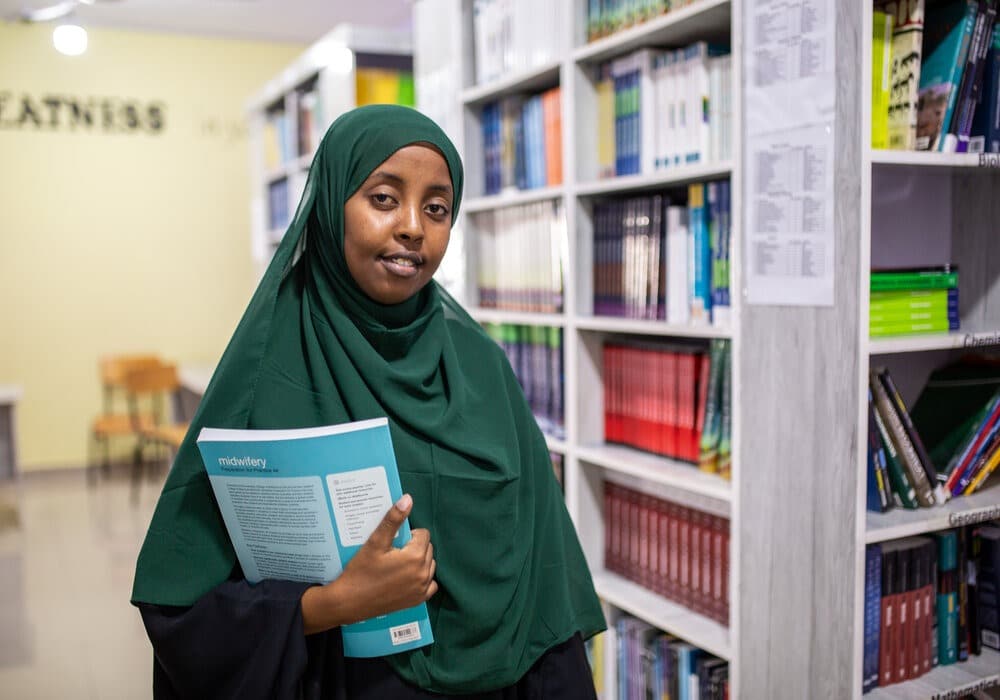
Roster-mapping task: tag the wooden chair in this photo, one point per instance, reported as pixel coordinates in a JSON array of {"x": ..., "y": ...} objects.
[
  {"x": 152, "y": 388},
  {"x": 115, "y": 420}
]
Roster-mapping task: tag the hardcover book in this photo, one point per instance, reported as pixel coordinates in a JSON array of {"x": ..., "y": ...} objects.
[{"x": 299, "y": 504}]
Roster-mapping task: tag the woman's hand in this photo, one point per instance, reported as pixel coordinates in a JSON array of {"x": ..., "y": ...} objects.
[{"x": 379, "y": 579}]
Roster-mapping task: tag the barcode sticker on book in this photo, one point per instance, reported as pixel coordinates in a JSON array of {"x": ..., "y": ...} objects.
[{"x": 405, "y": 633}]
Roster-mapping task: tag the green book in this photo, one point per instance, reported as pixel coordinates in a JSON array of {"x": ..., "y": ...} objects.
[
  {"x": 898, "y": 479},
  {"x": 912, "y": 280},
  {"x": 907, "y": 315},
  {"x": 904, "y": 327}
]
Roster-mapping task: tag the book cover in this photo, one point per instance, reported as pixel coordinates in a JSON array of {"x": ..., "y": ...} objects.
[
  {"x": 947, "y": 33},
  {"x": 898, "y": 479},
  {"x": 971, "y": 97},
  {"x": 881, "y": 77},
  {"x": 299, "y": 504},
  {"x": 907, "y": 43},
  {"x": 904, "y": 447},
  {"x": 985, "y": 132},
  {"x": 873, "y": 597}
]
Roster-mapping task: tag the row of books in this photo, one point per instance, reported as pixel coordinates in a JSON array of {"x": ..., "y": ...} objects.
[
  {"x": 664, "y": 109},
  {"x": 312, "y": 124},
  {"x": 671, "y": 401},
  {"x": 949, "y": 446},
  {"x": 383, "y": 85},
  {"x": 522, "y": 142},
  {"x": 277, "y": 140},
  {"x": 535, "y": 354},
  {"x": 655, "y": 258},
  {"x": 678, "y": 552},
  {"x": 605, "y": 17},
  {"x": 913, "y": 300},
  {"x": 510, "y": 36},
  {"x": 650, "y": 663},
  {"x": 519, "y": 257},
  {"x": 278, "y": 210},
  {"x": 929, "y": 601},
  {"x": 936, "y": 75}
]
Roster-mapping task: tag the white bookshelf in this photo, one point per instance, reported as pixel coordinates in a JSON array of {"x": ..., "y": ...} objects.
[
  {"x": 588, "y": 462},
  {"x": 920, "y": 208},
  {"x": 329, "y": 67}
]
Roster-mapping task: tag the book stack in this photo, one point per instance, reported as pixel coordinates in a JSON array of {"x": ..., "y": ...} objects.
[
  {"x": 278, "y": 210},
  {"x": 678, "y": 552},
  {"x": 605, "y": 17},
  {"x": 936, "y": 76},
  {"x": 512, "y": 36},
  {"x": 522, "y": 142},
  {"x": 957, "y": 414},
  {"x": 670, "y": 400},
  {"x": 278, "y": 147},
  {"x": 929, "y": 601},
  {"x": 650, "y": 663},
  {"x": 535, "y": 354},
  {"x": 900, "y": 470},
  {"x": 657, "y": 258},
  {"x": 383, "y": 85},
  {"x": 519, "y": 257},
  {"x": 913, "y": 300},
  {"x": 664, "y": 109}
]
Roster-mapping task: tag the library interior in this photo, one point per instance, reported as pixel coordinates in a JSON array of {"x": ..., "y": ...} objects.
[{"x": 766, "y": 376}]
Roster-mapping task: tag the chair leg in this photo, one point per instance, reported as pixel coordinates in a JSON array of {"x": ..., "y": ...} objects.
[{"x": 136, "y": 471}]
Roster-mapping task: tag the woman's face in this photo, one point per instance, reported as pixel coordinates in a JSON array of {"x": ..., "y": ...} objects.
[{"x": 397, "y": 225}]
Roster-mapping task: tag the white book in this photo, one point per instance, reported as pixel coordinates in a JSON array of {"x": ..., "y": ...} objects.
[{"x": 678, "y": 260}]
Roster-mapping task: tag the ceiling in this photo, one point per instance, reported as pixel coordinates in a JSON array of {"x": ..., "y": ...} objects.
[{"x": 299, "y": 21}]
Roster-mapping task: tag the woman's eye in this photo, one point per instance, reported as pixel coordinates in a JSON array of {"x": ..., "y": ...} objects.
[
  {"x": 437, "y": 209},
  {"x": 382, "y": 199}
]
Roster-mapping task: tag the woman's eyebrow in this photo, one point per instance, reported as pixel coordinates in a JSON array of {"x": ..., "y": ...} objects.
[{"x": 398, "y": 180}]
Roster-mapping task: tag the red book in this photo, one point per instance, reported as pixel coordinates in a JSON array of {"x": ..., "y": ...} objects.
[
  {"x": 608, "y": 386},
  {"x": 669, "y": 388},
  {"x": 887, "y": 632},
  {"x": 674, "y": 552},
  {"x": 553, "y": 136},
  {"x": 707, "y": 568},
  {"x": 687, "y": 379},
  {"x": 646, "y": 428},
  {"x": 684, "y": 540},
  {"x": 704, "y": 369},
  {"x": 694, "y": 561},
  {"x": 663, "y": 553},
  {"x": 644, "y": 539},
  {"x": 632, "y": 572}
]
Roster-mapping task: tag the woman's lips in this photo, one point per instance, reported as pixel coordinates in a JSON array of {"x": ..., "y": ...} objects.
[{"x": 402, "y": 265}]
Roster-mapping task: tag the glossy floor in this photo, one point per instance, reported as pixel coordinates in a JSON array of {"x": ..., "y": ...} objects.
[{"x": 67, "y": 555}]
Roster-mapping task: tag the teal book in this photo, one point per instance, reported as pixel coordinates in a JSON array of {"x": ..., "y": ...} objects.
[
  {"x": 947, "y": 33},
  {"x": 298, "y": 504}
]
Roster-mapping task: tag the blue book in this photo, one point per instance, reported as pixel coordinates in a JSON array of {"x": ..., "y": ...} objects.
[
  {"x": 986, "y": 122},
  {"x": 339, "y": 481},
  {"x": 873, "y": 616},
  {"x": 947, "y": 34}
]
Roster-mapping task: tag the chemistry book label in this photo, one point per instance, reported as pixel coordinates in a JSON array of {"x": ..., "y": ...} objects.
[{"x": 298, "y": 504}]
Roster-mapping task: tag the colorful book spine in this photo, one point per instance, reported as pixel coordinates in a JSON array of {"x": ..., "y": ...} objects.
[{"x": 881, "y": 77}]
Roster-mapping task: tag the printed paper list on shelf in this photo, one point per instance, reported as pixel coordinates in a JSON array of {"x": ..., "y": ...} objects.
[{"x": 789, "y": 151}]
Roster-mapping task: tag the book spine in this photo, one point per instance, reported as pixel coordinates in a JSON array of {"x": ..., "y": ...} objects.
[
  {"x": 900, "y": 482},
  {"x": 912, "y": 434},
  {"x": 909, "y": 458}
]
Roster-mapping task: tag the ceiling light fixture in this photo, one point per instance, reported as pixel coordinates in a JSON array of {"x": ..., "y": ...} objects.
[{"x": 70, "y": 39}]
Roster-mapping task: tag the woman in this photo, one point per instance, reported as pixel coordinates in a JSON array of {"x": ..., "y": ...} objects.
[{"x": 347, "y": 324}]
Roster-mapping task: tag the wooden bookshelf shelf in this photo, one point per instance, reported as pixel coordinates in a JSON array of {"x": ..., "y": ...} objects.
[
  {"x": 609, "y": 324},
  {"x": 964, "y": 161},
  {"x": 667, "y": 615},
  {"x": 520, "y": 318},
  {"x": 662, "y": 475},
  {"x": 535, "y": 79},
  {"x": 952, "y": 681},
  {"x": 667, "y": 178},
  {"x": 510, "y": 199},
  {"x": 938, "y": 341},
  {"x": 962, "y": 510},
  {"x": 707, "y": 19}
]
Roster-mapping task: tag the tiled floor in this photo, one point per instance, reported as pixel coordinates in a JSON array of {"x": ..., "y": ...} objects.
[{"x": 67, "y": 555}]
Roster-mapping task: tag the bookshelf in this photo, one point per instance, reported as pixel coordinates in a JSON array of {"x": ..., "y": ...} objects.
[
  {"x": 920, "y": 208},
  {"x": 441, "y": 26},
  {"x": 796, "y": 501},
  {"x": 288, "y": 116}
]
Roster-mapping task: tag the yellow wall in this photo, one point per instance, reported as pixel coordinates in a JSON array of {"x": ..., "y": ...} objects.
[{"x": 121, "y": 241}]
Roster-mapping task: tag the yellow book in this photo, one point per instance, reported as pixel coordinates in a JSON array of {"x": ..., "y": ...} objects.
[
  {"x": 606, "y": 127},
  {"x": 377, "y": 86},
  {"x": 983, "y": 474},
  {"x": 881, "y": 74}
]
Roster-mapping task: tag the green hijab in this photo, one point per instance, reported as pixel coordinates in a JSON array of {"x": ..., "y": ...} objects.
[{"x": 312, "y": 349}]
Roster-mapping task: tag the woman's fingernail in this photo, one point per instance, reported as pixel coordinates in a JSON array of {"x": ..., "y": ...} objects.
[{"x": 405, "y": 502}]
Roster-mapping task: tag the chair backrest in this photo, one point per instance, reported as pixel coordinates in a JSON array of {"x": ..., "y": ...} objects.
[
  {"x": 152, "y": 384},
  {"x": 113, "y": 368}
]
